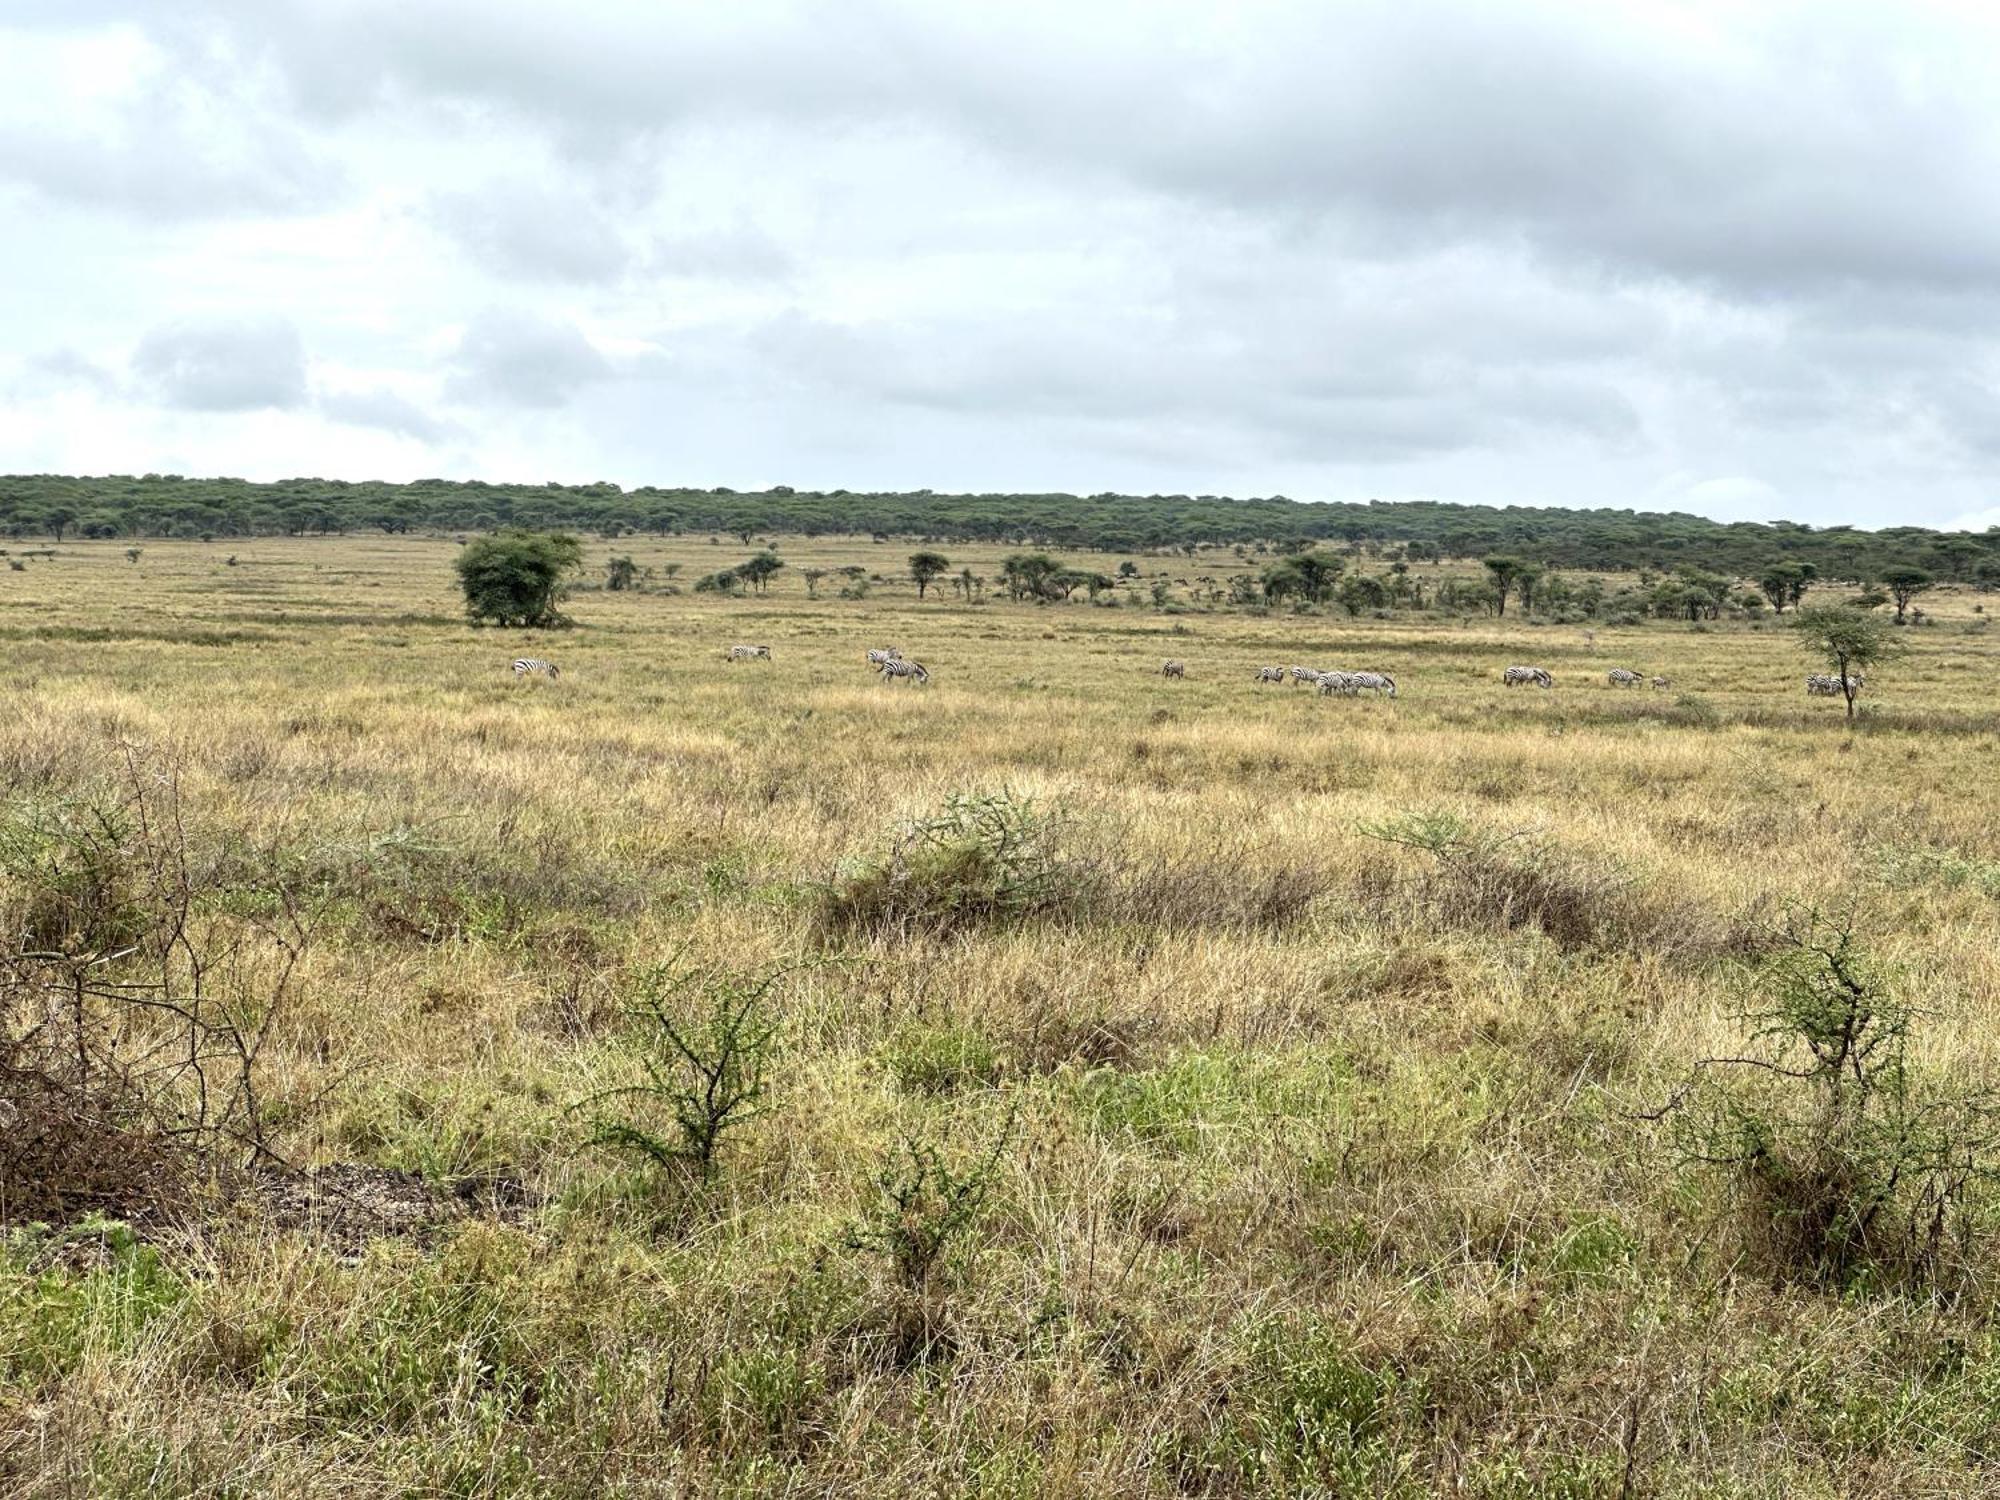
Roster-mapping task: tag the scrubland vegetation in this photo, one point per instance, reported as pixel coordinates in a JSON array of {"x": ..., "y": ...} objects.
[{"x": 696, "y": 1077}]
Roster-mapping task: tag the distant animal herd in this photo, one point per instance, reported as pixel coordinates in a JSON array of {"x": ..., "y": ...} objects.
[{"x": 894, "y": 667}]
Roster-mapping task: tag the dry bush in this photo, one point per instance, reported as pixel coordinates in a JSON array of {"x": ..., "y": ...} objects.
[
  {"x": 1846, "y": 1162},
  {"x": 1520, "y": 879},
  {"x": 146, "y": 972}
]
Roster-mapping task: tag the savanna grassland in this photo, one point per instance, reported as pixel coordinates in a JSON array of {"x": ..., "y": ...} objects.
[{"x": 1264, "y": 1109}]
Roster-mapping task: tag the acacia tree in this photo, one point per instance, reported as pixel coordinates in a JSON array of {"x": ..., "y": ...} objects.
[
  {"x": 1848, "y": 640},
  {"x": 758, "y": 570},
  {"x": 927, "y": 566},
  {"x": 517, "y": 577},
  {"x": 1786, "y": 583},
  {"x": 620, "y": 574},
  {"x": 1027, "y": 573},
  {"x": 1506, "y": 573},
  {"x": 1904, "y": 584}
]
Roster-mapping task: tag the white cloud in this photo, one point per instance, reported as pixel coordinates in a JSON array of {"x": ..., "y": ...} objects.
[
  {"x": 223, "y": 364},
  {"x": 1736, "y": 258}
]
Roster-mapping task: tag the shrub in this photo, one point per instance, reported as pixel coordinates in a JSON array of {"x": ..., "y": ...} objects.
[
  {"x": 922, "y": 1209},
  {"x": 146, "y": 975},
  {"x": 517, "y": 578},
  {"x": 1846, "y": 1164},
  {"x": 1513, "y": 879},
  {"x": 982, "y": 858},
  {"x": 706, "y": 1077}
]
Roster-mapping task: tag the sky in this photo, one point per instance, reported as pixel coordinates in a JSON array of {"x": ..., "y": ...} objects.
[{"x": 1740, "y": 259}]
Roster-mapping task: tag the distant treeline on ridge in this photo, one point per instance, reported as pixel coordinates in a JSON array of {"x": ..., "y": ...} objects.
[{"x": 168, "y": 505}]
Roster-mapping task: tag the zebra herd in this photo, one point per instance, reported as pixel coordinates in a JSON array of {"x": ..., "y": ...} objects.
[
  {"x": 894, "y": 667},
  {"x": 1334, "y": 683},
  {"x": 1540, "y": 677}
]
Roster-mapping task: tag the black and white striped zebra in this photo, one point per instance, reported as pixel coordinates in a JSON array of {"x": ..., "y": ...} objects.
[
  {"x": 885, "y": 653},
  {"x": 534, "y": 666},
  {"x": 896, "y": 667},
  {"x": 1516, "y": 676},
  {"x": 1336, "y": 684},
  {"x": 1619, "y": 677},
  {"x": 1824, "y": 685},
  {"x": 1303, "y": 674},
  {"x": 749, "y": 653},
  {"x": 1373, "y": 682},
  {"x": 1662, "y": 682},
  {"x": 1173, "y": 669},
  {"x": 1270, "y": 674}
]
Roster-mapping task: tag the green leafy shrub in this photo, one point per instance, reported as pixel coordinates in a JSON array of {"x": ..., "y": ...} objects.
[
  {"x": 704, "y": 1077},
  {"x": 1846, "y": 1163},
  {"x": 982, "y": 858},
  {"x": 517, "y": 578}
]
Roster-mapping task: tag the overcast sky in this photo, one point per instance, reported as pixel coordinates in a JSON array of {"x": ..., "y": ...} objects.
[{"x": 1739, "y": 258}]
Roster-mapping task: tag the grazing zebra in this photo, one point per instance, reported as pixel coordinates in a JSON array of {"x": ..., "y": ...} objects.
[
  {"x": 1820, "y": 685},
  {"x": 1662, "y": 682},
  {"x": 887, "y": 653},
  {"x": 896, "y": 667},
  {"x": 534, "y": 666},
  {"x": 1173, "y": 669},
  {"x": 749, "y": 653},
  {"x": 1374, "y": 682},
  {"x": 1619, "y": 677},
  {"x": 1342, "y": 683},
  {"x": 1303, "y": 674},
  {"x": 1515, "y": 676},
  {"x": 1270, "y": 674}
]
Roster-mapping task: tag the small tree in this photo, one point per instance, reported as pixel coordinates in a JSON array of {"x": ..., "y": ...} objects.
[
  {"x": 1505, "y": 573},
  {"x": 926, "y": 566},
  {"x": 758, "y": 570},
  {"x": 517, "y": 577},
  {"x": 705, "y": 1075},
  {"x": 1785, "y": 583},
  {"x": 1904, "y": 584},
  {"x": 812, "y": 576},
  {"x": 620, "y": 574},
  {"x": 1848, "y": 640},
  {"x": 1027, "y": 573}
]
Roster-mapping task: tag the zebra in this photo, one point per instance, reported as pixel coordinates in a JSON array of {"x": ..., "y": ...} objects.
[
  {"x": 1342, "y": 683},
  {"x": 896, "y": 667},
  {"x": 1619, "y": 677},
  {"x": 1270, "y": 674},
  {"x": 1376, "y": 682},
  {"x": 886, "y": 653},
  {"x": 1662, "y": 682},
  {"x": 749, "y": 653},
  {"x": 534, "y": 666},
  {"x": 1303, "y": 674},
  {"x": 1515, "y": 676},
  {"x": 1820, "y": 685},
  {"x": 1173, "y": 669}
]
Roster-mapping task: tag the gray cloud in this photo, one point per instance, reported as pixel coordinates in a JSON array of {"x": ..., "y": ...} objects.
[
  {"x": 1727, "y": 255},
  {"x": 385, "y": 411},
  {"x": 521, "y": 359},
  {"x": 223, "y": 365},
  {"x": 535, "y": 231},
  {"x": 60, "y": 368}
]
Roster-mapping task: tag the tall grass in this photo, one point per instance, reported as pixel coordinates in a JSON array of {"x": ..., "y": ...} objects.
[{"x": 1320, "y": 1173}]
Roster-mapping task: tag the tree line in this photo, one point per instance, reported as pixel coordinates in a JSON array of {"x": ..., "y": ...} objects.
[{"x": 1601, "y": 540}]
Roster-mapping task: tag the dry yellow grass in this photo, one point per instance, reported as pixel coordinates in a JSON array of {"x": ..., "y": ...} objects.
[{"x": 1323, "y": 1191}]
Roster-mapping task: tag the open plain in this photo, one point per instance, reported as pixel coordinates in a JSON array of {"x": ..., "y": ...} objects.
[{"x": 1271, "y": 1105}]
